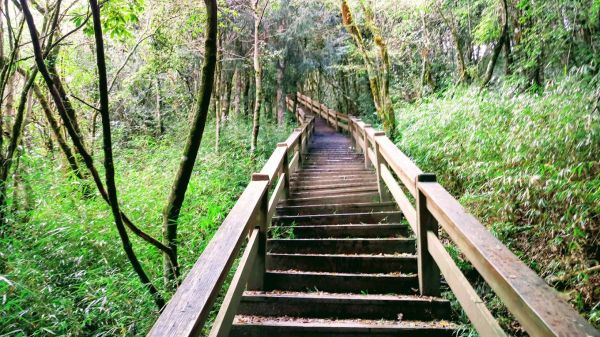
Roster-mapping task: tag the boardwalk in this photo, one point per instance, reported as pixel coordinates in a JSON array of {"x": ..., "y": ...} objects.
[
  {"x": 341, "y": 239},
  {"x": 338, "y": 260}
]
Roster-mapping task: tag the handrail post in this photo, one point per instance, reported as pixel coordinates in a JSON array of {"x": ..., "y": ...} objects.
[
  {"x": 429, "y": 272},
  {"x": 366, "y": 145},
  {"x": 337, "y": 125},
  {"x": 383, "y": 193},
  {"x": 350, "y": 128},
  {"x": 285, "y": 170},
  {"x": 257, "y": 278},
  {"x": 300, "y": 146}
]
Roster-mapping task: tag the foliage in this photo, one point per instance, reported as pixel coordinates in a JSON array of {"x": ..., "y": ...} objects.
[
  {"x": 64, "y": 271},
  {"x": 527, "y": 166}
]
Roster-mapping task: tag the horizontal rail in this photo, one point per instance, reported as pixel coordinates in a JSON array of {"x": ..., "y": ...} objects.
[
  {"x": 188, "y": 309},
  {"x": 539, "y": 309}
]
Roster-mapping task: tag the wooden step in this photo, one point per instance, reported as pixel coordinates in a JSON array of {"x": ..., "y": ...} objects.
[
  {"x": 341, "y": 263},
  {"x": 349, "y": 190},
  {"x": 342, "y": 246},
  {"x": 318, "y": 181},
  {"x": 336, "y": 208},
  {"x": 257, "y": 326},
  {"x": 333, "y": 173},
  {"x": 339, "y": 218},
  {"x": 333, "y": 185},
  {"x": 344, "y": 306},
  {"x": 335, "y": 199},
  {"x": 344, "y": 231},
  {"x": 291, "y": 280}
]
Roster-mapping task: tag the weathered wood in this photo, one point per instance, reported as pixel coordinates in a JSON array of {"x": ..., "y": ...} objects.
[
  {"x": 405, "y": 205},
  {"x": 274, "y": 162},
  {"x": 188, "y": 309},
  {"x": 231, "y": 302},
  {"x": 404, "y": 168},
  {"x": 540, "y": 310},
  {"x": 471, "y": 303},
  {"x": 276, "y": 196},
  {"x": 429, "y": 273}
]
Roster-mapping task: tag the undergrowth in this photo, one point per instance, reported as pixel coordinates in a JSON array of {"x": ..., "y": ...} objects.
[
  {"x": 63, "y": 270},
  {"x": 527, "y": 165}
]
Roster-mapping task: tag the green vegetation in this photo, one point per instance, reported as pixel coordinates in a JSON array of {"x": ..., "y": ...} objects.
[
  {"x": 527, "y": 166},
  {"x": 499, "y": 98},
  {"x": 64, "y": 269}
]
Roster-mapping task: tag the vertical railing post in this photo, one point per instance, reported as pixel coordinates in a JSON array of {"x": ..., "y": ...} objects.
[
  {"x": 383, "y": 193},
  {"x": 366, "y": 145},
  {"x": 350, "y": 128},
  {"x": 300, "y": 146},
  {"x": 257, "y": 279},
  {"x": 429, "y": 273},
  {"x": 337, "y": 125},
  {"x": 285, "y": 170}
]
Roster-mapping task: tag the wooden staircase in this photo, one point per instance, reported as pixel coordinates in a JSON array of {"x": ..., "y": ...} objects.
[
  {"x": 339, "y": 262},
  {"x": 339, "y": 236}
]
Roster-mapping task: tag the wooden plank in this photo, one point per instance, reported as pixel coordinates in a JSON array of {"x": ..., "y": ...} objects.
[
  {"x": 274, "y": 163},
  {"x": 188, "y": 309},
  {"x": 429, "y": 273},
  {"x": 474, "y": 307},
  {"x": 407, "y": 208},
  {"x": 294, "y": 162},
  {"x": 276, "y": 197},
  {"x": 404, "y": 168},
  {"x": 231, "y": 302},
  {"x": 372, "y": 156},
  {"x": 539, "y": 309},
  {"x": 292, "y": 140}
]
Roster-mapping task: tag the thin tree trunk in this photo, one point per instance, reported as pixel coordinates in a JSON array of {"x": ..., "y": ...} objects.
[
  {"x": 159, "y": 122},
  {"x": 190, "y": 152},
  {"x": 257, "y": 79},
  {"x": 280, "y": 91},
  {"x": 76, "y": 139},
  {"x": 247, "y": 95},
  {"x": 226, "y": 104},
  {"x": 108, "y": 157},
  {"x": 238, "y": 87}
]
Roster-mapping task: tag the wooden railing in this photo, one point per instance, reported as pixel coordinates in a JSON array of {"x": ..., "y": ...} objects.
[
  {"x": 533, "y": 303},
  {"x": 188, "y": 310}
]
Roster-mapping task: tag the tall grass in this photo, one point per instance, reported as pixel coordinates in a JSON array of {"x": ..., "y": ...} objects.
[
  {"x": 528, "y": 166},
  {"x": 63, "y": 272}
]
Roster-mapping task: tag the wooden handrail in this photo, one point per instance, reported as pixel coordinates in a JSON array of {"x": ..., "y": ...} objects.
[
  {"x": 188, "y": 309},
  {"x": 539, "y": 309}
]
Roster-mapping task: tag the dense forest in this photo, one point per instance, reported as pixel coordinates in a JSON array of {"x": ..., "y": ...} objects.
[{"x": 130, "y": 127}]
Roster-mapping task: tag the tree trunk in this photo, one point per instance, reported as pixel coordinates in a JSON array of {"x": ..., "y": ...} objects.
[
  {"x": 257, "y": 79},
  {"x": 226, "y": 104},
  {"x": 247, "y": 95},
  {"x": 497, "y": 48},
  {"x": 238, "y": 87},
  {"x": 159, "y": 122},
  {"x": 108, "y": 157},
  {"x": 216, "y": 97},
  {"x": 51, "y": 83},
  {"x": 280, "y": 92},
  {"x": 186, "y": 166}
]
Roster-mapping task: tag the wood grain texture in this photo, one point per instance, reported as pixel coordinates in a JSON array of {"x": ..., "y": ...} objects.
[
  {"x": 540, "y": 310},
  {"x": 474, "y": 307},
  {"x": 231, "y": 302}
]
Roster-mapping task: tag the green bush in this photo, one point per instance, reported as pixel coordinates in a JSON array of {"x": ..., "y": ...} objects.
[
  {"x": 528, "y": 167},
  {"x": 63, "y": 272}
]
